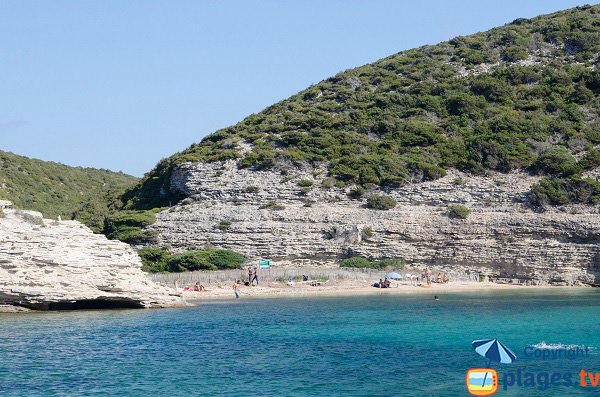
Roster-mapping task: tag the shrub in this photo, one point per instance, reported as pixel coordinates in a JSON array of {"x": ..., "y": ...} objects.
[
  {"x": 304, "y": 191},
  {"x": 356, "y": 261},
  {"x": 187, "y": 201},
  {"x": 590, "y": 160},
  {"x": 252, "y": 189},
  {"x": 328, "y": 183},
  {"x": 381, "y": 202},
  {"x": 560, "y": 191},
  {"x": 226, "y": 259},
  {"x": 356, "y": 193},
  {"x": 393, "y": 263},
  {"x": 205, "y": 260},
  {"x": 223, "y": 226},
  {"x": 458, "y": 181},
  {"x": 305, "y": 183},
  {"x": 190, "y": 261},
  {"x": 35, "y": 220},
  {"x": 134, "y": 218},
  {"x": 272, "y": 205},
  {"x": 127, "y": 227},
  {"x": 2, "y": 214},
  {"x": 458, "y": 211},
  {"x": 557, "y": 161},
  {"x": 330, "y": 233},
  {"x": 154, "y": 260},
  {"x": 367, "y": 232},
  {"x": 361, "y": 262},
  {"x": 133, "y": 235}
]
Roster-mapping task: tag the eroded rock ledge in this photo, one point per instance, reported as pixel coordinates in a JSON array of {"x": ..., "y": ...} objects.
[
  {"x": 502, "y": 237},
  {"x": 61, "y": 265}
]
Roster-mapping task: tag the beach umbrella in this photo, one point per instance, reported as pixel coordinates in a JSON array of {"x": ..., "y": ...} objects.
[
  {"x": 394, "y": 276},
  {"x": 494, "y": 350}
]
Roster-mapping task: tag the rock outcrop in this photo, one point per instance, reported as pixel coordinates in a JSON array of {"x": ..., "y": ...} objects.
[
  {"x": 267, "y": 214},
  {"x": 48, "y": 264}
]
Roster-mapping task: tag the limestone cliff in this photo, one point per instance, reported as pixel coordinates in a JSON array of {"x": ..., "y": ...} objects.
[
  {"x": 502, "y": 237},
  {"x": 49, "y": 264}
]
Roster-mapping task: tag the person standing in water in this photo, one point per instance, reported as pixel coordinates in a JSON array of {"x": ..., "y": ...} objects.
[{"x": 236, "y": 289}]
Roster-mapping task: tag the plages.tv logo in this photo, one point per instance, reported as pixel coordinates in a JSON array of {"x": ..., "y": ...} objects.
[{"x": 484, "y": 381}]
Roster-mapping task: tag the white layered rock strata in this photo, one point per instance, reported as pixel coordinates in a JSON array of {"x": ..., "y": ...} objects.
[
  {"x": 48, "y": 264},
  {"x": 501, "y": 238}
]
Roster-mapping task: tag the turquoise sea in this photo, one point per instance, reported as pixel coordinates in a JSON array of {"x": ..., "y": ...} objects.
[{"x": 384, "y": 345}]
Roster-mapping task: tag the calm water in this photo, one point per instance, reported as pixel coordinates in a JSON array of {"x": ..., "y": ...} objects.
[{"x": 363, "y": 346}]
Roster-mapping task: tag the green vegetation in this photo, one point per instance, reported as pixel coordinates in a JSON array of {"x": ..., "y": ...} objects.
[
  {"x": 381, "y": 202},
  {"x": 305, "y": 183},
  {"x": 412, "y": 115},
  {"x": 356, "y": 193},
  {"x": 2, "y": 214},
  {"x": 223, "y": 226},
  {"x": 367, "y": 233},
  {"x": 154, "y": 260},
  {"x": 272, "y": 205},
  {"x": 34, "y": 220},
  {"x": 560, "y": 191},
  {"x": 160, "y": 260},
  {"x": 458, "y": 211},
  {"x": 85, "y": 194},
  {"x": 360, "y": 262},
  {"x": 590, "y": 160},
  {"x": 127, "y": 225},
  {"x": 252, "y": 189},
  {"x": 304, "y": 191},
  {"x": 557, "y": 161},
  {"x": 214, "y": 259}
]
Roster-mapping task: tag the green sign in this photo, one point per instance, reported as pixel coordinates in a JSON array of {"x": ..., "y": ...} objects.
[{"x": 264, "y": 264}]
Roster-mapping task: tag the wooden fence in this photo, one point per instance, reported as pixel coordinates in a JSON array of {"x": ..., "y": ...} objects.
[{"x": 274, "y": 274}]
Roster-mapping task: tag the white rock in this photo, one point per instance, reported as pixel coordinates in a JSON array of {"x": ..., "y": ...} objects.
[
  {"x": 61, "y": 265},
  {"x": 502, "y": 237}
]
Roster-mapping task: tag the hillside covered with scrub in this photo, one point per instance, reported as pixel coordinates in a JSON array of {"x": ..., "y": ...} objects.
[
  {"x": 521, "y": 96},
  {"x": 54, "y": 189}
]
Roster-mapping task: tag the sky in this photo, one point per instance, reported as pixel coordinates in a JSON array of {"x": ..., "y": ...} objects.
[{"x": 121, "y": 84}]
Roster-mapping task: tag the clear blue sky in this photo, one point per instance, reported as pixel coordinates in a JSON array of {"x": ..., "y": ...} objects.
[{"x": 121, "y": 84}]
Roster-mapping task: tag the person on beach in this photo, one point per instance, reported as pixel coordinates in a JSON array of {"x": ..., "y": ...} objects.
[
  {"x": 236, "y": 289},
  {"x": 250, "y": 275},
  {"x": 255, "y": 277},
  {"x": 428, "y": 276},
  {"x": 439, "y": 278},
  {"x": 445, "y": 279},
  {"x": 380, "y": 283},
  {"x": 413, "y": 280}
]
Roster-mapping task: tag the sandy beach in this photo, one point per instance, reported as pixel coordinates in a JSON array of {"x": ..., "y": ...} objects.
[{"x": 220, "y": 292}]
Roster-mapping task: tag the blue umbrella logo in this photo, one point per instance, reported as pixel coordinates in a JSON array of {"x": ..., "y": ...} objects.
[{"x": 494, "y": 350}]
